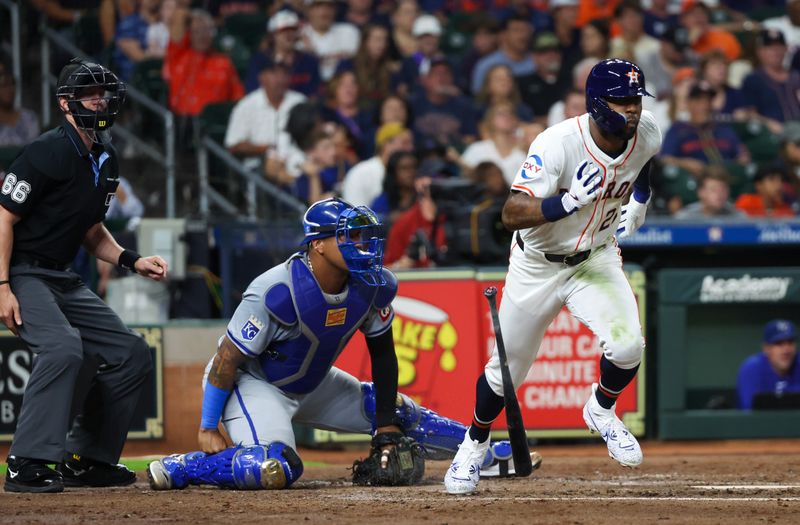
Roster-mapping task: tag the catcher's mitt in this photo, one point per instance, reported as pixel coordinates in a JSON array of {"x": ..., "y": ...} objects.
[{"x": 402, "y": 465}]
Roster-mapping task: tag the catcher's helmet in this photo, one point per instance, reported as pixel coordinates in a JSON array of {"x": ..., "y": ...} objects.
[
  {"x": 359, "y": 235},
  {"x": 77, "y": 80},
  {"x": 612, "y": 78}
]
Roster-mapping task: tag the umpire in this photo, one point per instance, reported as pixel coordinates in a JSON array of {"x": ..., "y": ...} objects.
[{"x": 53, "y": 200}]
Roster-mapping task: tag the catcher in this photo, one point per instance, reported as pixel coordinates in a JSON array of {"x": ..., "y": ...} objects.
[{"x": 273, "y": 367}]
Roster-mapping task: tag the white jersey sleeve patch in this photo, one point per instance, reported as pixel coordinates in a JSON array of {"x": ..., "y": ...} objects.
[
  {"x": 539, "y": 174},
  {"x": 251, "y": 328}
]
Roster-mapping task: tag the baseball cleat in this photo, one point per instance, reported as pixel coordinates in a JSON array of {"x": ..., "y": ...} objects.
[
  {"x": 30, "y": 475},
  {"x": 78, "y": 471},
  {"x": 464, "y": 473},
  {"x": 168, "y": 473},
  {"x": 622, "y": 445}
]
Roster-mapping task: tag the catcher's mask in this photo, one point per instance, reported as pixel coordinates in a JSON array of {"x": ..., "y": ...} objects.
[
  {"x": 359, "y": 236},
  {"x": 82, "y": 81}
]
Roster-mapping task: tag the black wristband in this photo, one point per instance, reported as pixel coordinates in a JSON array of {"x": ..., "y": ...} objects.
[{"x": 127, "y": 259}]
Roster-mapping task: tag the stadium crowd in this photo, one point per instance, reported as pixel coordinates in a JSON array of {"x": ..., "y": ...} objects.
[{"x": 376, "y": 100}]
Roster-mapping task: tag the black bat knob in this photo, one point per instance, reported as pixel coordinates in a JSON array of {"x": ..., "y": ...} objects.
[{"x": 490, "y": 291}]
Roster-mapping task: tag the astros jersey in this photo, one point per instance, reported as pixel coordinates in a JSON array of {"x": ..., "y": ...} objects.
[
  {"x": 550, "y": 167},
  {"x": 261, "y": 324}
]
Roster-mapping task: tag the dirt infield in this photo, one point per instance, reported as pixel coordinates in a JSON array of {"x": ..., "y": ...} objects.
[{"x": 695, "y": 483}]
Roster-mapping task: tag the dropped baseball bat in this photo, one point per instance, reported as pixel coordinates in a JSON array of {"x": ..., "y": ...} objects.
[{"x": 516, "y": 429}]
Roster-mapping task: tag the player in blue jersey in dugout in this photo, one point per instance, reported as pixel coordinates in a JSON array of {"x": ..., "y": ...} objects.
[
  {"x": 775, "y": 369},
  {"x": 274, "y": 365}
]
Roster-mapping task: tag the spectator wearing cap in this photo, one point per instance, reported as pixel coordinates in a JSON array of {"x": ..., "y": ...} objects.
[
  {"x": 500, "y": 144},
  {"x": 713, "y": 198},
  {"x": 364, "y": 181},
  {"x": 329, "y": 40},
  {"x": 282, "y": 35},
  {"x": 196, "y": 74},
  {"x": 543, "y": 88},
  {"x": 632, "y": 41},
  {"x": 700, "y": 141},
  {"x": 564, "y": 14},
  {"x": 658, "y": 19},
  {"x": 775, "y": 369},
  {"x": 259, "y": 119},
  {"x": 440, "y": 112},
  {"x": 772, "y": 92},
  {"x": 769, "y": 199},
  {"x": 427, "y": 30},
  {"x": 703, "y": 37},
  {"x": 515, "y": 37},
  {"x": 789, "y": 26}
]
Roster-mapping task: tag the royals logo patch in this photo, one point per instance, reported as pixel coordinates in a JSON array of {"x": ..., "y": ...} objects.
[
  {"x": 336, "y": 317},
  {"x": 385, "y": 313},
  {"x": 251, "y": 328}
]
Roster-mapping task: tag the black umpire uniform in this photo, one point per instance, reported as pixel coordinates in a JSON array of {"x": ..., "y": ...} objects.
[{"x": 60, "y": 189}]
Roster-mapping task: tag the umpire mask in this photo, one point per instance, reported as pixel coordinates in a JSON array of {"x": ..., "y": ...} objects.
[{"x": 89, "y": 84}]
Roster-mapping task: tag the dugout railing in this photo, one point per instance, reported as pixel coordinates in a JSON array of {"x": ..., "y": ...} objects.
[{"x": 16, "y": 46}]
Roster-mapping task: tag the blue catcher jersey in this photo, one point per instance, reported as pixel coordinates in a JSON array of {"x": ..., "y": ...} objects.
[{"x": 295, "y": 332}]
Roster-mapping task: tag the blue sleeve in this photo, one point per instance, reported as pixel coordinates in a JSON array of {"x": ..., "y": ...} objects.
[
  {"x": 747, "y": 384},
  {"x": 466, "y": 114},
  {"x": 750, "y": 91},
  {"x": 128, "y": 27}
]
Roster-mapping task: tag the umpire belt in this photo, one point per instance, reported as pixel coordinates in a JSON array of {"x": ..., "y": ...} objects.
[
  {"x": 24, "y": 258},
  {"x": 571, "y": 259}
]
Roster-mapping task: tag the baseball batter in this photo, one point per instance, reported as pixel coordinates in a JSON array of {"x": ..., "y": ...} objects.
[
  {"x": 567, "y": 201},
  {"x": 274, "y": 367}
]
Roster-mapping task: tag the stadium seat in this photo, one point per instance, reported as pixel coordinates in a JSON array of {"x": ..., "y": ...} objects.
[
  {"x": 763, "y": 144},
  {"x": 677, "y": 181},
  {"x": 741, "y": 178},
  {"x": 147, "y": 77},
  {"x": 250, "y": 28},
  {"x": 213, "y": 120},
  {"x": 236, "y": 50}
]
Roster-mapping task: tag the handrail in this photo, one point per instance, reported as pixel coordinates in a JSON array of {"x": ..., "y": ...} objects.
[
  {"x": 168, "y": 159},
  {"x": 16, "y": 48},
  {"x": 233, "y": 163}
]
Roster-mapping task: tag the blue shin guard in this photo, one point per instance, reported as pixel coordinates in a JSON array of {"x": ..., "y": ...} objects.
[
  {"x": 438, "y": 435},
  {"x": 273, "y": 466}
]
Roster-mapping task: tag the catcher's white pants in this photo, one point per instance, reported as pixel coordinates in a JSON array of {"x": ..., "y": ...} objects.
[
  {"x": 596, "y": 292},
  {"x": 258, "y": 413}
]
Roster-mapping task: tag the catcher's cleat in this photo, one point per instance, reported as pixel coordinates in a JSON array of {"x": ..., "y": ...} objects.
[
  {"x": 80, "y": 471},
  {"x": 464, "y": 473},
  {"x": 30, "y": 475},
  {"x": 622, "y": 445},
  {"x": 167, "y": 473},
  {"x": 503, "y": 467}
]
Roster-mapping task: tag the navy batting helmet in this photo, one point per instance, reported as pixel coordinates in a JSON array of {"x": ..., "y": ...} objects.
[
  {"x": 612, "y": 78},
  {"x": 359, "y": 234}
]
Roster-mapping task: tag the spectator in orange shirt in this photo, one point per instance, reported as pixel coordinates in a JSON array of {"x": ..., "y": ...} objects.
[
  {"x": 696, "y": 18},
  {"x": 769, "y": 199},
  {"x": 593, "y": 10},
  {"x": 197, "y": 75}
]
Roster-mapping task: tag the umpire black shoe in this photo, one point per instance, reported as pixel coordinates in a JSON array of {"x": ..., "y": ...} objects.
[
  {"x": 85, "y": 472},
  {"x": 31, "y": 475}
]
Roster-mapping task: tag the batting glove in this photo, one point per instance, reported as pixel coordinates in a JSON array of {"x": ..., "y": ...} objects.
[
  {"x": 585, "y": 183},
  {"x": 632, "y": 217}
]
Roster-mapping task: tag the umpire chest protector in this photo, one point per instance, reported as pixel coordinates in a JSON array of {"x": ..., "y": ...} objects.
[{"x": 299, "y": 365}]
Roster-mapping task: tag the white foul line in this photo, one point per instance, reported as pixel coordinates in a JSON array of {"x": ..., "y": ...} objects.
[{"x": 746, "y": 487}]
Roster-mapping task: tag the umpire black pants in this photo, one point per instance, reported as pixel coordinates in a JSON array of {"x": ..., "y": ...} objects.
[{"x": 67, "y": 326}]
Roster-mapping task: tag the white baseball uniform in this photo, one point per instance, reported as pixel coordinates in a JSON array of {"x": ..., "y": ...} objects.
[{"x": 595, "y": 290}]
